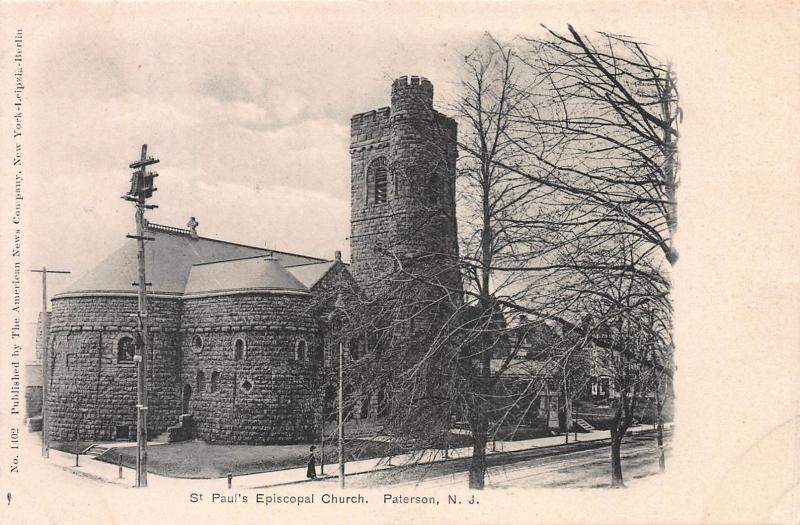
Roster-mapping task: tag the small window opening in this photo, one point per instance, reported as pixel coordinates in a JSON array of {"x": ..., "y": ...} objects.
[
  {"x": 201, "y": 381},
  {"x": 238, "y": 350},
  {"x": 125, "y": 350},
  {"x": 214, "y": 381},
  {"x": 197, "y": 343},
  {"x": 122, "y": 432},
  {"x": 247, "y": 385},
  {"x": 301, "y": 351}
]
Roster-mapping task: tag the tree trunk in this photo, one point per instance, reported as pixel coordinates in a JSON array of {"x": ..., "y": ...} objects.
[
  {"x": 660, "y": 432},
  {"x": 567, "y": 412},
  {"x": 616, "y": 460},
  {"x": 618, "y": 428},
  {"x": 477, "y": 468}
]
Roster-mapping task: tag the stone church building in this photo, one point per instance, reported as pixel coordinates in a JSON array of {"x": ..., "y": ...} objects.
[{"x": 241, "y": 336}]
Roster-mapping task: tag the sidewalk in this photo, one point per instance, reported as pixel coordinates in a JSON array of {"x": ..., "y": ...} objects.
[{"x": 106, "y": 472}]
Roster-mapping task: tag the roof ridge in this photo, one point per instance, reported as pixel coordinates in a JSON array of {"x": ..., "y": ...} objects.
[
  {"x": 163, "y": 228},
  {"x": 260, "y": 255},
  {"x": 166, "y": 229},
  {"x": 309, "y": 263}
]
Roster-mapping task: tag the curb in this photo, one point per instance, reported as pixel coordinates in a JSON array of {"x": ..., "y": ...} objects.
[
  {"x": 592, "y": 443},
  {"x": 93, "y": 477}
]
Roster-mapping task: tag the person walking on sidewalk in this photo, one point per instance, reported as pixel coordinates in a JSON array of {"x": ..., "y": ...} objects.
[{"x": 311, "y": 473}]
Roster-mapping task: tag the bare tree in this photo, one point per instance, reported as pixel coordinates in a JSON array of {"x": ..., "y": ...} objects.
[{"x": 566, "y": 210}]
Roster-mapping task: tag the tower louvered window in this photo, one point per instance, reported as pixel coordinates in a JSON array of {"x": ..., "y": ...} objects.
[
  {"x": 378, "y": 182},
  {"x": 380, "y": 185}
]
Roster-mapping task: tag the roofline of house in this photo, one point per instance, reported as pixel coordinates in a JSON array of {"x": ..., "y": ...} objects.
[
  {"x": 179, "y": 296},
  {"x": 244, "y": 291},
  {"x": 115, "y": 293}
]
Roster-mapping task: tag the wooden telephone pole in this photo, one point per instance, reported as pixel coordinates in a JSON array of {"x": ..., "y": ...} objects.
[
  {"x": 45, "y": 361},
  {"x": 141, "y": 189}
]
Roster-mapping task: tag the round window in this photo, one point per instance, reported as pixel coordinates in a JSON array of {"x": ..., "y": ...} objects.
[{"x": 197, "y": 343}]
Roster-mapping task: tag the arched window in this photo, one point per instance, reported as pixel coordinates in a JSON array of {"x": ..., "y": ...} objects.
[
  {"x": 238, "y": 349},
  {"x": 377, "y": 181},
  {"x": 214, "y": 381},
  {"x": 201, "y": 381},
  {"x": 301, "y": 350},
  {"x": 125, "y": 350},
  {"x": 197, "y": 343}
]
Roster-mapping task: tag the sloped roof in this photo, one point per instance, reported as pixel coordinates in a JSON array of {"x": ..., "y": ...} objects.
[
  {"x": 521, "y": 367},
  {"x": 310, "y": 274},
  {"x": 168, "y": 261},
  {"x": 260, "y": 273}
]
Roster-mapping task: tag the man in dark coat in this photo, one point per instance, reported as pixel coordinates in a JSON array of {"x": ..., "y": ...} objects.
[{"x": 311, "y": 473}]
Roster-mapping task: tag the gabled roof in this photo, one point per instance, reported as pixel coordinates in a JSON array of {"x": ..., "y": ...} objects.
[
  {"x": 260, "y": 273},
  {"x": 168, "y": 261},
  {"x": 310, "y": 274}
]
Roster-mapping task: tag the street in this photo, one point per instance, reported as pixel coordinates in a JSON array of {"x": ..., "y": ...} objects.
[{"x": 577, "y": 468}]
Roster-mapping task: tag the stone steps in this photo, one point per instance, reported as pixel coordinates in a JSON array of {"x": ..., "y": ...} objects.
[
  {"x": 584, "y": 425},
  {"x": 161, "y": 438}
]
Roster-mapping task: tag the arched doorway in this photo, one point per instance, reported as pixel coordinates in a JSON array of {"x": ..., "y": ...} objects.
[{"x": 186, "y": 397}]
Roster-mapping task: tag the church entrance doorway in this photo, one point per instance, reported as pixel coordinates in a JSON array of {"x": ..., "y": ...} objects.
[{"x": 187, "y": 396}]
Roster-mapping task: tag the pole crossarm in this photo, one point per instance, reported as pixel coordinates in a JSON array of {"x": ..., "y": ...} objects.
[{"x": 144, "y": 161}]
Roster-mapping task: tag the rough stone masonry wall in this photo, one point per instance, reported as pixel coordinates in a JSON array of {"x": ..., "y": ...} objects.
[
  {"x": 370, "y": 223},
  {"x": 418, "y": 218},
  {"x": 93, "y": 393},
  {"x": 282, "y": 405}
]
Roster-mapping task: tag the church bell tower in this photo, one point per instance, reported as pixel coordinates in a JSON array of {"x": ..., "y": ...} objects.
[{"x": 403, "y": 167}]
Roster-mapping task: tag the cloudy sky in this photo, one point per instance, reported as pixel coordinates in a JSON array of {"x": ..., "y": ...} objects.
[{"x": 248, "y": 112}]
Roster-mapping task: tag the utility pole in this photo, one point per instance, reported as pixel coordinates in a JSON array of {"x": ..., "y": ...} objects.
[
  {"x": 141, "y": 189},
  {"x": 45, "y": 361}
]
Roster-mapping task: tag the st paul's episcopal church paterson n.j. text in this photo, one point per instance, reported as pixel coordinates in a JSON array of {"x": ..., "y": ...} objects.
[{"x": 241, "y": 337}]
